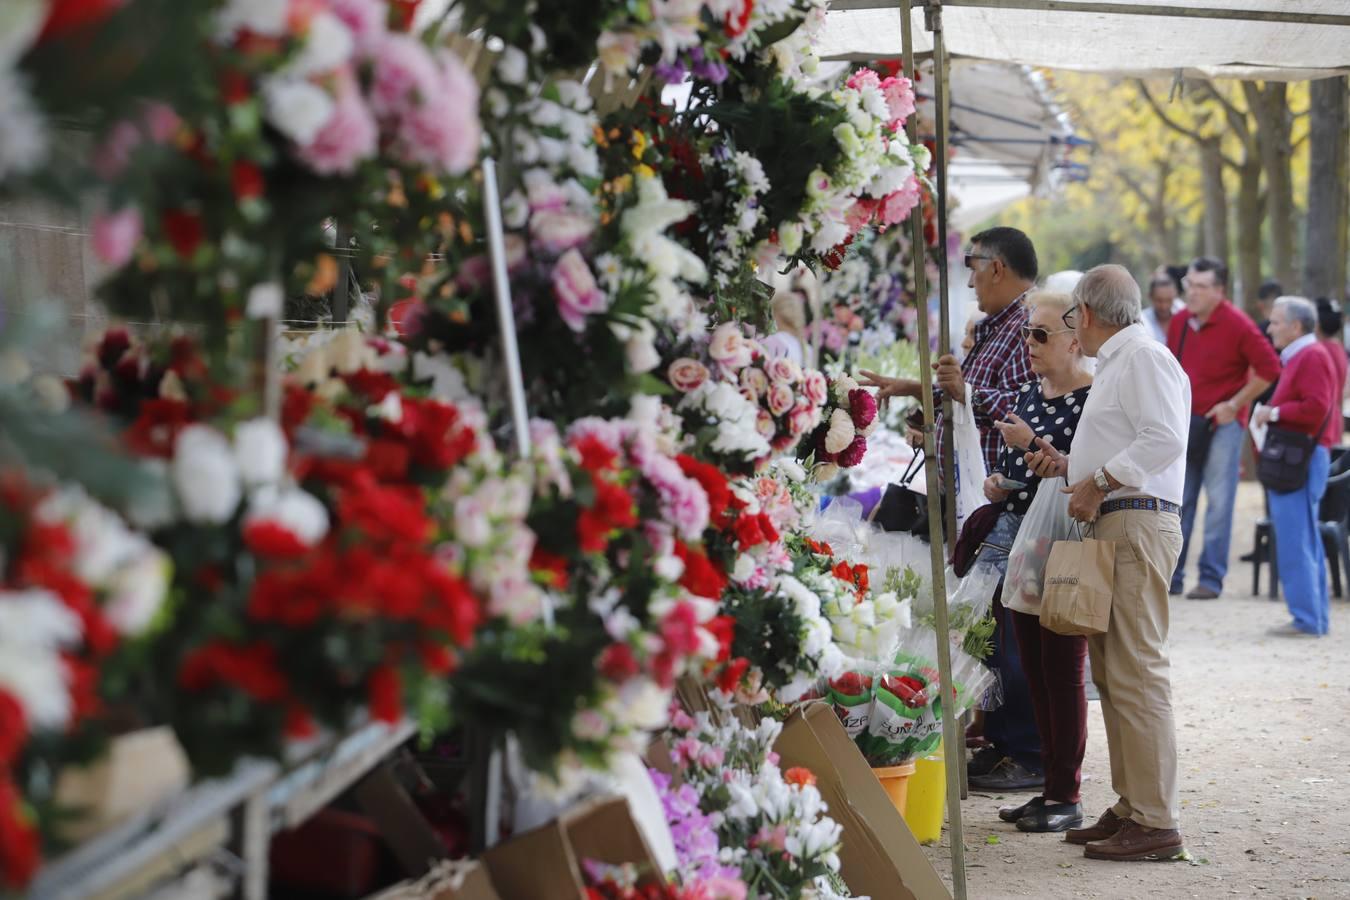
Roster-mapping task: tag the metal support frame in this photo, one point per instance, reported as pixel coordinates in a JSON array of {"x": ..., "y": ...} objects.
[
  {"x": 954, "y": 750},
  {"x": 1177, "y": 11}
]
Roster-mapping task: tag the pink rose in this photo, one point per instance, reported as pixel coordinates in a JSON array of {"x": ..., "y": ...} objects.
[
  {"x": 350, "y": 135},
  {"x": 863, "y": 407},
  {"x": 560, "y": 230},
  {"x": 765, "y": 425},
  {"x": 780, "y": 368},
  {"x": 781, "y": 398},
  {"x": 899, "y": 204},
  {"x": 899, "y": 94},
  {"x": 686, "y": 374},
  {"x": 801, "y": 420},
  {"x": 755, "y": 381},
  {"x": 852, "y": 454},
  {"x": 728, "y": 347},
  {"x": 577, "y": 293},
  {"x": 114, "y": 235},
  {"x": 815, "y": 388}
]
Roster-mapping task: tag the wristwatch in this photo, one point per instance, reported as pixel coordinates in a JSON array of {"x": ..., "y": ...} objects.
[{"x": 1099, "y": 478}]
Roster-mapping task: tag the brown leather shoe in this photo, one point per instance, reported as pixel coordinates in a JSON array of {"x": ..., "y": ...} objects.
[
  {"x": 1105, "y": 827},
  {"x": 1135, "y": 842}
]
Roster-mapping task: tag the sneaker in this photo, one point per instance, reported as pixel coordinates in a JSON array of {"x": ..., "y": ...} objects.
[{"x": 1008, "y": 777}]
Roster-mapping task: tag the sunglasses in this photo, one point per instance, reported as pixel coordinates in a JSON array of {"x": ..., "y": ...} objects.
[
  {"x": 1041, "y": 335},
  {"x": 971, "y": 257}
]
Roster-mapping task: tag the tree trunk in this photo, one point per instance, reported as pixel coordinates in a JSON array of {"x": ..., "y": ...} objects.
[
  {"x": 1249, "y": 216},
  {"x": 1215, "y": 241},
  {"x": 1270, "y": 105},
  {"x": 1324, "y": 263}
]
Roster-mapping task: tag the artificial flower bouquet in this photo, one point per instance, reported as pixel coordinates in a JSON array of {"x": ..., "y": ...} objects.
[{"x": 840, "y": 441}]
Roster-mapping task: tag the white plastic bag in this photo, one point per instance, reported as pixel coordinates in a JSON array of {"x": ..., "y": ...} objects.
[
  {"x": 1047, "y": 520},
  {"x": 969, "y": 456}
]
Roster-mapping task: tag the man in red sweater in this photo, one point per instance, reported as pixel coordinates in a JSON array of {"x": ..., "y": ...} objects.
[
  {"x": 1305, "y": 401},
  {"x": 1229, "y": 363}
]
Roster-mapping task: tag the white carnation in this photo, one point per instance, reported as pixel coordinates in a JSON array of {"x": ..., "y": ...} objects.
[
  {"x": 136, "y": 592},
  {"x": 260, "y": 451},
  {"x": 298, "y": 511},
  {"x": 35, "y": 625},
  {"x": 841, "y": 432},
  {"x": 297, "y": 108},
  {"x": 205, "y": 476}
]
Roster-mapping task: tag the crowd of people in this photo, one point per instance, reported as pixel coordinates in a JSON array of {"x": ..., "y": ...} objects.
[{"x": 1132, "y": 410}]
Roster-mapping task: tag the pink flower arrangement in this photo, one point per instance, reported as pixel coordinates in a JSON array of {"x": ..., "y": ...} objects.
[
  {"x": 429, "y": 103},
  {"x": 899, "y": 204},
  {"x": 350, "y": 135},
  {"x": 114, "y": 235},
  {"x": 577, "y": 293},
  {"x": 899, "y": 93},
  {"x": 728, "y": 347}
]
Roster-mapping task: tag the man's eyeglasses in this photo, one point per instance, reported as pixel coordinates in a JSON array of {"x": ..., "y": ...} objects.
[
  {"x": 971, "y": 257},
  {"x": 1069, "y": 315},
  {"x": 1041, "y": 335},
  {"x": 1191, "y": 284}
]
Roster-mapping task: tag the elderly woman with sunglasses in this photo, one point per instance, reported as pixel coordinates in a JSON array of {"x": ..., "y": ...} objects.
[{"x": 1048, "y": 408}]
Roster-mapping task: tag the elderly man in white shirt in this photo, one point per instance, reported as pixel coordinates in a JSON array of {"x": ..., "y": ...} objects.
[{"x": 1126, "y": 471}]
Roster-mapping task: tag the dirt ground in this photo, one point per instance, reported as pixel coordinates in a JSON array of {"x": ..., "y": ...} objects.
[{"x": 1263, "y": 727}]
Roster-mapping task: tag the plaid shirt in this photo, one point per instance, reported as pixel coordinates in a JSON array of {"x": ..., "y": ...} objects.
[{"x": 994, "y": 373}]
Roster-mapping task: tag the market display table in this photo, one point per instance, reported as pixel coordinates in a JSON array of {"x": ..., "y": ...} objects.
[{"x": 214, "y": 836}]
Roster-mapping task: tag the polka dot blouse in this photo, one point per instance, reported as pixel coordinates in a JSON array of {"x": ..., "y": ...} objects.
[{"x": 1056, "y": 420}]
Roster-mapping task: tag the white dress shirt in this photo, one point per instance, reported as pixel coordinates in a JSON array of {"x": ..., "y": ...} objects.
[{"x": 1136, "y": 419}]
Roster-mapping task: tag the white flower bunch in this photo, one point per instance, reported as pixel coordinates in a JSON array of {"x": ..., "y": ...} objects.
[
  {"x": 818, "y": 646},
  {"x": 737, "y": 434},
  {"x": 35, "y": 627}
]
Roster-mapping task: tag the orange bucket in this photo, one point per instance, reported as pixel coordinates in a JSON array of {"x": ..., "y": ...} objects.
[{"x": 895, "y": 781}]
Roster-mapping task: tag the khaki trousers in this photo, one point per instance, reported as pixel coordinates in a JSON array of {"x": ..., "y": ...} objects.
[{"x": 1131, "y": 669}]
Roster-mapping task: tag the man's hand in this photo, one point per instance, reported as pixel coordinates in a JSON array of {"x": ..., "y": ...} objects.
[
  {"x": 1223, "y": 412},
  {"x": 888, "y": 387},
  {"x": 913, "y": 437},
  {"x": 1086, "y": 500},
  {"x": 992, "y": 492},
  {"x": 949, "y": 378},
  {"x": 1016, "y": 433},
  {"x": 1046, "y": 461},
  {"x": 1262, "y": 416}
]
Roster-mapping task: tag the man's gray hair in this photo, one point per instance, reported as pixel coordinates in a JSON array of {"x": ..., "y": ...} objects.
[
  {"x": 1111, "y": 293},
  {"x": 1300, "y": 310}
]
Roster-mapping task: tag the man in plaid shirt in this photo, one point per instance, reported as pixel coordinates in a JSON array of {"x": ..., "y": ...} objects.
[{"x": 1003, "y": 267}]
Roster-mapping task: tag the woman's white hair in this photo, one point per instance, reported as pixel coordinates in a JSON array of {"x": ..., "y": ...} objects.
[{"x": 1112, "y": 294}]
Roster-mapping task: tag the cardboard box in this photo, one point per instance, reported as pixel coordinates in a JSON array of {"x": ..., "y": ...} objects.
[
  {"x": 463, "y": 879},
  {"x": 879, "y": 857},
  {"x": 545, "y": 864},
  {"x": 141, "y": 770}
]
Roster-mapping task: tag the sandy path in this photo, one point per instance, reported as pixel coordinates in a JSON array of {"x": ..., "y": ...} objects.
[{"x": 1264, "y": 736}]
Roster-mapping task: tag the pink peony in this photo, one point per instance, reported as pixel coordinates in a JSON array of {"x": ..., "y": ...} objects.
[
  {"x": 755, "y": 381},
  {"x": 405, "y": 72},
  {"x": 863, "y": 407},
  {"x": 350, "y": 135},
  {"x": 114, "y": 235},
  {"x": 365, "y": 19},
  {"x": 853, "y": 454},
  {"x": 429, "y": 103},
  {"x": 559, "y": 231},
  {"x": 577, "y": 293},
  {"x": 899, "y": 204},
  {"x": 686, "y": 374},
  {"x": 899, "y": 94},
  {"x": 864, "y": 78},
  {"x": 815, "y": 388},
  {"x": 728, "y": 347},
  {"x": 780, "y": 398}
]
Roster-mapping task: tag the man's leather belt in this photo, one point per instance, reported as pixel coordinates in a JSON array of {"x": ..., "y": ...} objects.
[{"x": 1151, "y": 504}]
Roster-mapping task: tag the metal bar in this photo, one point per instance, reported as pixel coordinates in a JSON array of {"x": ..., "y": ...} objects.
[
  {"x": 951, "y": 736},
  {"x": 1127, "y": 9},
  {"x": 342, "y": 240},
  {"x": 955, "y": 755},
  {"x": 506, "y": 318}
]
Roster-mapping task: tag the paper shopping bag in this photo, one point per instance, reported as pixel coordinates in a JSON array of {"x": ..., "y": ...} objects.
[{"x": 1078, "y": 584}]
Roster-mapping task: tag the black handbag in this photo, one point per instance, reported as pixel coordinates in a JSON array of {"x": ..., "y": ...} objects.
[
  {"x": 1285, "y": 457},
  {"x": 1202, "y": 427},
  {"x": 901, "y": 509}
]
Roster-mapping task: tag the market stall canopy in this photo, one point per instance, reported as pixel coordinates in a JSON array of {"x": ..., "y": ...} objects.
[{"x": 1284, "y": 40}]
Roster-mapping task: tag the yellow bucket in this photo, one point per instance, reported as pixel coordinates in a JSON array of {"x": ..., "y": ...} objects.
[{"x": 926, "y": 804}]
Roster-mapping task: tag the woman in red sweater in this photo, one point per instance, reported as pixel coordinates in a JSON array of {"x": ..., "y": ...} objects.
[{"x": 1305, "y": 401}]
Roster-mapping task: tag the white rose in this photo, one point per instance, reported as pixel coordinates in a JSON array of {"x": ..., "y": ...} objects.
[
  {"x": 205, "y": 476},
  {"x": 841, "y": 432},
  {"x": 298, "y": 511},
  {"x": 297, "y": 108},
  {"x": 514, "y": 66},
  {"x": 260, "y": 452},
  {"x": 265, "y": 301},
  {"x": 137, "y": 591},
  {"x": 640, "y": 350}
]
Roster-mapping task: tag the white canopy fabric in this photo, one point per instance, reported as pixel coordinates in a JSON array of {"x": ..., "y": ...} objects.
[{"x": 1064, "y": 38}]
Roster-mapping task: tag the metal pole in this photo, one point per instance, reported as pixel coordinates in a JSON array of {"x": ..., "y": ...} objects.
[
  {"x": 342, "y": 242},
  {"x": 1172, "y": 11},
  {"x": 506, "y": 319},
  {"x": 954, "y": 753},
  {"x": 941, "y": 77}
]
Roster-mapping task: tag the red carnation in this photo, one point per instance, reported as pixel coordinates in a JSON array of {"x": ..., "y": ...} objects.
[
  {"x": 738, "y": 20},
  {"x": 272, "y": 540},
  {"x": 385, "y": 694},
  {"x": 184, "y": 230},
  {"x": 617, "y": 662},
  {"x": 384, "y": 513},
  {"x": 853, "y": 454},
  {"x": 596, "y": 455},
  {"x": 550, "y": 568},
  {"x": 724, "y": 629},
  {"x": 246, "y": 179},
  {"x": 701, "y": 577},
  {"x": 862, "y": 406},
  {"x": 65, "y": 16},
  {"x": 436, "y": 658},
  {"x": 730, "y": 677},
  {"x": 613, "y": 509},
  {"x": 713, "y": 482},
  {"x": 19, "y": 843},
  {"x": 13, "y": 728},
  {"x": 299, "y": 723},
  {"x": 252, "y": 668}
]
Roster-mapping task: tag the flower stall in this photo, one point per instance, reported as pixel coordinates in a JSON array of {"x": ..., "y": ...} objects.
[{"x": 435, "y": 418}]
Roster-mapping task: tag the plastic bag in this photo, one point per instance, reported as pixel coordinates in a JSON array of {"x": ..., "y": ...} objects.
[
  {"x": 969, "y": 455},
  {"x": 1047, "y": 520}
]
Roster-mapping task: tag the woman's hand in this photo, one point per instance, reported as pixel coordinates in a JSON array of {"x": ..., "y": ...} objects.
[
  {"x": 1016, "y": 433},
  {"x": 1046, "y": 461},
  {"x": 992, "y": 492}
]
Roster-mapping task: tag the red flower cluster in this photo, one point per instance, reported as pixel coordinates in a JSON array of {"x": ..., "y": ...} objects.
[{"x": 429, "y": 436}]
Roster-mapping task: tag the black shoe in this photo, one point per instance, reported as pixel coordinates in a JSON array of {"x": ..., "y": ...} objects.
[
  {"x": 1008, "y": 776},
  {"x": 1013, "y": 813},
  {"x": 982, "y": 761},
  {"x": 1051, "y": 817}
]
